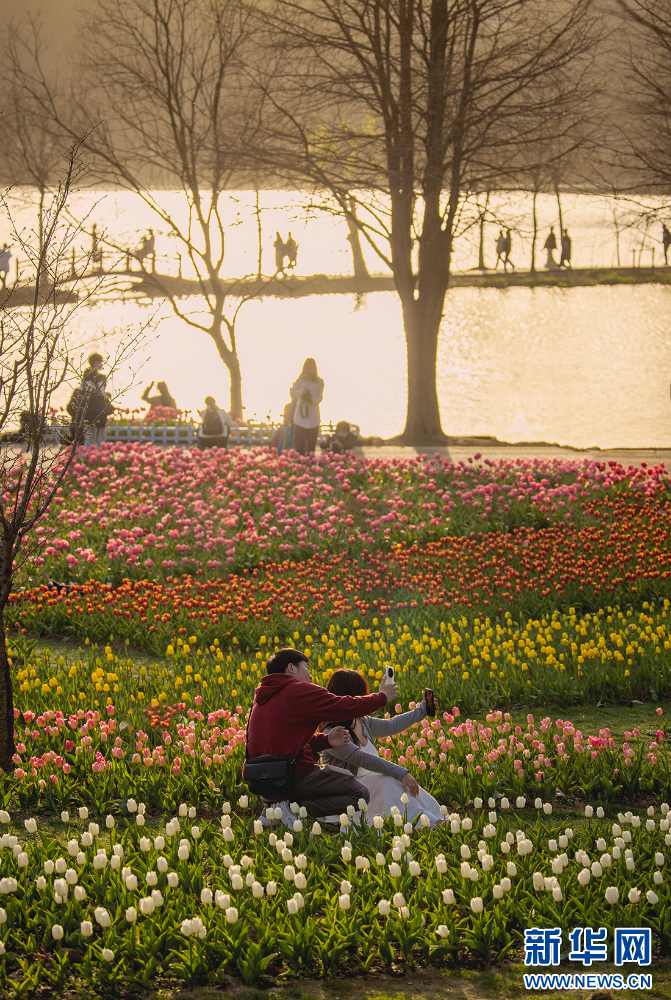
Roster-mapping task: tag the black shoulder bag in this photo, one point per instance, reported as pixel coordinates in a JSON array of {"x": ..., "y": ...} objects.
[{"x": 269, "y": 775}]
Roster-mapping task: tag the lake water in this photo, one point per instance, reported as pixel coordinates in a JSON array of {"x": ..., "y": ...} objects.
[{"x": 582, "y": 366}]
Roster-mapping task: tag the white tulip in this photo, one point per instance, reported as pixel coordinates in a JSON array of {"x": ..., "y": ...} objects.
[
  {"x": 659, "y": 859},
  {"x": 30, "y": 825},
  {"x": 658, "y": 878},
  {"x": 65, "y": 816},
  {"x": 612, "y": 894},
  {"x": 448, "y": 897},
  {"x": 589, "y": 811},
  {"x": 292, "y": 906},
  {"x": 344, "y": 902},
  {"x": 634, "y": 895},
  {"x": 57, "y": 932},
  {"x": 151, "y": 878},
  {"x": 80, "y": 893},
  {"x": 107, "y": 954},
  {"x": 652, "y": 897},
  {"x": 316, "y": 829},
  {"x": 497, "y": 892},
  {"x": 147, "y": 906},
  {"x": 476, "y": 904},
  {"x": 83, "y": 812},
  {"x": 394, "y": 870},
  {"x": 584, "y": 876},
  {"x": 131, "y": 914},
  {"x": 557, "y": 894},
  {"x": 86, "y": 928},
  {"x": 271, "y": 888},
  {"x": 131, "y": 883},
  {"x": 511, "y": 869},
  {"x": 384, "y": 907}
]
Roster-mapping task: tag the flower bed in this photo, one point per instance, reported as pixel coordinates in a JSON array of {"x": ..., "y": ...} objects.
[
  {"x": 201, "y": 896},
  {"x": 133, "y": 510},
  {"x": 623, "y": 557}
]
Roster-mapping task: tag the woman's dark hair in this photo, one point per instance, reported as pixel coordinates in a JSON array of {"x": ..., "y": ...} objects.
[
  {"x": 210, "y": 401},
  {"x": 95, "y": 359},
  {"x": 279, "y": 661},
  {"x": 310, "y": 369},
  {"x": 346, "y": 682}
]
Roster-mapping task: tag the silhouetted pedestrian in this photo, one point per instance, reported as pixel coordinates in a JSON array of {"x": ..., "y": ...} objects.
[
  {"x": 565, "y": 249},
  {"x": 291, "y": 250},
  {"x": 666, "y": 243},
  {"x": 507, "y": 246},
  {"x": 500, "y": 250},
  {"x": 280, "y": 254},
  {"x": 551, "y": 245}
]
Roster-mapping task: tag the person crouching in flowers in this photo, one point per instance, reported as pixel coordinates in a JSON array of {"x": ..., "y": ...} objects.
[{"x": 386, "y": 781}]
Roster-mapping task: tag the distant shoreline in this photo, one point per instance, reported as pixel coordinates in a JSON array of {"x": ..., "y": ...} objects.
[{"x": 156, "y": 286}]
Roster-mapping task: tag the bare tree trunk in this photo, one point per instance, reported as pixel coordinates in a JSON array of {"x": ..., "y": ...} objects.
[
  {"x": 561, "y": 219},
  {"x": 617, "y": 235},
  {"x": 354, "y": 240},
  {"x": 257, "y": 212},
  {"x": 535, "y": 233},
  {"x": 481, "y": 248},
  {"x": 421, "y": 337},
  {"x": 236, "y": 410}
]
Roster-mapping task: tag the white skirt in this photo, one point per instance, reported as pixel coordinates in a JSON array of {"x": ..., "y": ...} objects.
[{"x": 385, "y": 792}]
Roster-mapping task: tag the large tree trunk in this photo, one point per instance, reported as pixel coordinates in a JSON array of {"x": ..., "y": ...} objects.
[{"x": 422, "y": 426}]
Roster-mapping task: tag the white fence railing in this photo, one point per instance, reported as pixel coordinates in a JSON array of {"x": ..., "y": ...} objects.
[{"x": 184, "y": 435}]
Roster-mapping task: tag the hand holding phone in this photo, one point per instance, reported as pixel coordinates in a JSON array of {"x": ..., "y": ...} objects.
[
  {"x": 430, "y": 701},
  {"x": 390, "y": 672}
]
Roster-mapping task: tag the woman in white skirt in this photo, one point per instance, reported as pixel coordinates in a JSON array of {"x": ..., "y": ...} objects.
[{"x": 386, "y": 781}]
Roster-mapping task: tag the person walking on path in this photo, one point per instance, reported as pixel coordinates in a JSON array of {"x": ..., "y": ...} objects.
[
  {"x": 386, "y": 781},
  {"x": 551, "y": 245},
  {"x": 666, "y": 242},
  {"x": 280, "y": 254},
  {"x": 285, "y": 714},
  {"x": 291, "y": 250},
  {"x": 507, "y": 246},
  {"x": 500, "y": 250},
  {"x": 565, "y": 249},
  {"x": 307, "y": 392}
]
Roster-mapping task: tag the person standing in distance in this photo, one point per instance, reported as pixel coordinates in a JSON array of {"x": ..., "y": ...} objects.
[{"x": 307, "y": 392}]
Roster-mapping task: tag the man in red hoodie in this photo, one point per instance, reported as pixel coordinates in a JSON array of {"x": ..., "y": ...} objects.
[{"x": 286, "y": 712}]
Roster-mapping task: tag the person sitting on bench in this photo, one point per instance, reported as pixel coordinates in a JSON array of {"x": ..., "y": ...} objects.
[{"x": 215, "y": 425}]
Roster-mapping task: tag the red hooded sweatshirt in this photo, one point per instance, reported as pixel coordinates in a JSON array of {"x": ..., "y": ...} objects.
[{"x": 286, "y": 713}]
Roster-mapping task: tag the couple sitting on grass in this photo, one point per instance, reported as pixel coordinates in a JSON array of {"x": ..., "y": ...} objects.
[{"x": 292, "y": 716}]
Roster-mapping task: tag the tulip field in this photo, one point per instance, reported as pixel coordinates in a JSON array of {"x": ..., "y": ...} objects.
[{"x": 132, "y": 852}]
